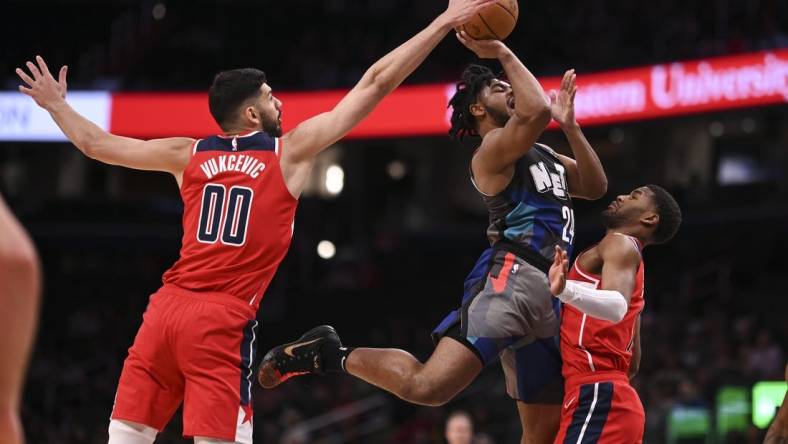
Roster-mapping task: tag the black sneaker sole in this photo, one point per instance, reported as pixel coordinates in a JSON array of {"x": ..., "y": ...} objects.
[{"x": 269, "y": 376}]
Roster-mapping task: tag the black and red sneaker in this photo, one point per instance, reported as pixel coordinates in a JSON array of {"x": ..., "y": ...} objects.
[{"x": 296, "y": 358}]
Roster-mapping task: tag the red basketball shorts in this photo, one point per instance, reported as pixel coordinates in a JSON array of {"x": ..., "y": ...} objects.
[
  {"x": 195, "y": 348},
  {"x": 601, "y": 408}
]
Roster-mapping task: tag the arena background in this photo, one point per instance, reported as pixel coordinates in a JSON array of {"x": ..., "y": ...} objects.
[{"x": 406, "y": 224}]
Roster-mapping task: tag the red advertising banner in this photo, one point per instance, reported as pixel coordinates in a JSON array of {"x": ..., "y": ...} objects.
[
  {"x": 714, "y": 84},
  {"x": 680, "y": 88},
  {"x": 409, "y": 111}
]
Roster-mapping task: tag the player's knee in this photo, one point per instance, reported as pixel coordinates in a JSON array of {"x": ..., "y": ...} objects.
[
  {"x": 540, "y": 432},
  {"x": 127, "y": 432}
]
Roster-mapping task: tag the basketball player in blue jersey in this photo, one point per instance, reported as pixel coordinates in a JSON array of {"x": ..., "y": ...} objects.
[
  {"x": 19, "y": 294},
  {"x": 507, "y": 310}
]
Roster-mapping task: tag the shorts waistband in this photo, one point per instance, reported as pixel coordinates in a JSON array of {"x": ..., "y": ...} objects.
[
  {"x": 588, "y": 378},
  {"x": 527, "y": 254},
  {"x": 210, "y": 296}
]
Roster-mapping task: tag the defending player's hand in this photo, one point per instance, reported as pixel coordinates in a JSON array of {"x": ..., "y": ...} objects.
[
  {"x": 42, "y": 87},
  {"x": 460, "y": 11},
  {"x": 558, "y": 271},
  {"x": 562, "y": 102},
  {"x": 484, "y": 49}
]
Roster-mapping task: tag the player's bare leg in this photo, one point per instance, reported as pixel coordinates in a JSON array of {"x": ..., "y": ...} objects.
[
  {"x": 127, "y": 432},
  {"x": 539, "y": 421},
  {"x": 19, "y": 296},
  {"x": 450, "y": 369},
  {"x": 202, "y": 440}
]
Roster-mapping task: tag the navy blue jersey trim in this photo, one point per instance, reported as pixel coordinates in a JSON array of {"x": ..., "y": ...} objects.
[
  {"x": 590, "y": 427},
  {"x": 254, "y": 142},
  {"x": 247, "y": 359}
]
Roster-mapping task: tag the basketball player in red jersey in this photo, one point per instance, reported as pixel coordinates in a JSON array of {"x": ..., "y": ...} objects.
[
  {"x": 602, "y": 299},
  {"x": 240, "y": 190},
  {"x": 19, "y": 295}
]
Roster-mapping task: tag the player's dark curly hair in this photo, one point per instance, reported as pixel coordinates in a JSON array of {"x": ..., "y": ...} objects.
[
  {"x": 230, "y": 90},
  {"x": 474, "y": 79},
  {"x": 669, "y": 214}
]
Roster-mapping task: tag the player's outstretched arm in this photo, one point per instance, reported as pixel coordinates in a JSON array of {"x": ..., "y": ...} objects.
[
  {"x": 314, "y": 135},
  {"x": 501, "y": 148},
  {"x": 170, "y": 155},
  {"x": 587, "y": 179}
]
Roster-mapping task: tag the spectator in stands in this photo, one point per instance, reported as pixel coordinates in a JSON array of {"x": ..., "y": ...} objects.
[
  {"x": 459, "y": 428},
  {"x": 765, "y": 359}
]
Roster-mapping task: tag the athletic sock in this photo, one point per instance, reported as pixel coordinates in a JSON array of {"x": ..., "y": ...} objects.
[{"x": 334, "y": 358}]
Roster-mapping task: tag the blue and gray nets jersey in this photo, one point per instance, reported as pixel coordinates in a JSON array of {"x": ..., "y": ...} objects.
[{"x": 534, "y": 212}]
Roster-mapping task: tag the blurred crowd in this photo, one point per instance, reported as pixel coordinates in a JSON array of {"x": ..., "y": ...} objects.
[{"x": 699, "y": 333}]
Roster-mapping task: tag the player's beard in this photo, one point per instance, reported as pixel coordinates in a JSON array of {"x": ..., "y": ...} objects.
[
  {"x": 616, "y": 218},
  {"x": 610, "y": 219},
  {"x": 499, "y": 117},
  {"x": 272, "y": 127}
]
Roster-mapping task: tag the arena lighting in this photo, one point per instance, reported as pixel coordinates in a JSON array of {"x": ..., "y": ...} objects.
[
  {"x": 715, "y": 84},
  {"x": 617, "y": 135},
  {"x": 732, "y": 411},
  {"x": 748, "y": 125},
  {"x": 716, "y": 129},
  {"x": 326, "y": 249},
  {"x": 335, "y": 179},
  {"x": 767, "y": 396},
  {"x": 396, "y": 169},
  {"x": 159, "y": 11}
]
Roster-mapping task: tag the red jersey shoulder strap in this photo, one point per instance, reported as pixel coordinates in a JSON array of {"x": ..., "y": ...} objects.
[{"x": 634, "y": 240}]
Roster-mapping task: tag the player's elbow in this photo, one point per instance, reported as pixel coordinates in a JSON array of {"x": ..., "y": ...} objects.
[
  {"x": 620, "y": 312},
  {"x": 618, "y": 309},
  {"x": 376, "y": 83},
  {"x": 537, "y": 116},
  {"x": 597, "y": 189},
  {"x": 96, "y": 144},
  {"x": 89, "y": 148},
  {"x": 87, "y": 151}
]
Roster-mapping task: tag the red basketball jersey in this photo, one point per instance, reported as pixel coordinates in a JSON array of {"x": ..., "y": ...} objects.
[
  {"x": 590, "y": 345},
  {"x": 237, "y": 217}
]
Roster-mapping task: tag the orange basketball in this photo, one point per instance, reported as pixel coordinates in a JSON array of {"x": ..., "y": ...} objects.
[{"x": 493, "y": 22}]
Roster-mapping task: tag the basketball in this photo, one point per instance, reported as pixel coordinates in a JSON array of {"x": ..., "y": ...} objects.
[{"x": 493, "y": 22}]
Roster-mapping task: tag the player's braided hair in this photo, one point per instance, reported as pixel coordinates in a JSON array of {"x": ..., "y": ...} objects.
[
  {"x": 474, "y": 79},
  {"x": 669, "y": 214},
  {"x": 232, "y": 89}
]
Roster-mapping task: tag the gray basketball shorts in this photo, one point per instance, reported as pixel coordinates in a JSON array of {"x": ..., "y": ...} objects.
[{"x": 509, "y": 314}]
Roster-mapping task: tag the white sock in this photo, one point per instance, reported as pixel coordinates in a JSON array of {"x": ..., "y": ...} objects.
[{"x": 127, "y": 432}]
